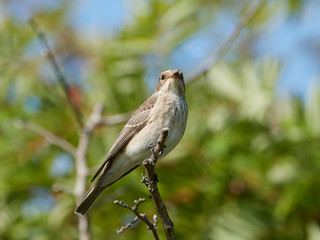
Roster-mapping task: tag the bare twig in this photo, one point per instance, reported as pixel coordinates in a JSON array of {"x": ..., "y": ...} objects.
[
  {"x": 123, "y": 228},
  {"x": 149, "y": 165},
  {"x": 114, "y": 119},
  {"x": 50, "y": 137},
  {"x": 82, "y": 169},
  {"x": 56, "y": 69},
  {"x": 141, "y": 216},
  {"x": 82, "y": 149},
  {"x": 215, "y": 57}
]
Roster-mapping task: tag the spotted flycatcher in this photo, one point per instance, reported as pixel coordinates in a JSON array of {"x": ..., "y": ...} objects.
[{"x": 165, "y": 109}]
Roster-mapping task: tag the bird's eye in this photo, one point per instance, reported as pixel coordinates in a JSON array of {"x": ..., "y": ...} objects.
[{"x": 163, "y": 77}]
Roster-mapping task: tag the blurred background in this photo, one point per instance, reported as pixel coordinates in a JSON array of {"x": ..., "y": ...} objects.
[{"x": 248, "y": 166}]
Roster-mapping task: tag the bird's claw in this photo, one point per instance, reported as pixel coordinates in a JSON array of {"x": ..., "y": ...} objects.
[
  {"x": 156, "y": 180},
  {"x": 152, "y": 146},
  {"x": 152, "y": 150},
  {"x": 147, "y": 183},
  {"x": 161, "y": 152}
]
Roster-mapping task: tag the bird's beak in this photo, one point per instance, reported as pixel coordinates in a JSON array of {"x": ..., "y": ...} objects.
[{"x": 177, "y": 74}]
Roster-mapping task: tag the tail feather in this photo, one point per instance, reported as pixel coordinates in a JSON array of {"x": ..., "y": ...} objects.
[
  {"x": 89, "y": 198},
  {"x": 94, "y": 192}
]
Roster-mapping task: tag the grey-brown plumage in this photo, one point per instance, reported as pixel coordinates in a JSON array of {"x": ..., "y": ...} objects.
[{"x": 166, "y": 108}]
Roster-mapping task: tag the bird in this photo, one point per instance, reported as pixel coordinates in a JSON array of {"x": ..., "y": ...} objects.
[{"x": 166, "y": 109}]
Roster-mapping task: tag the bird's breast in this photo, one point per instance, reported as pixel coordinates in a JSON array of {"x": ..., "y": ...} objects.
[
  {"x": 172, "y": 116},
  {"x": 168, "y": 113}
]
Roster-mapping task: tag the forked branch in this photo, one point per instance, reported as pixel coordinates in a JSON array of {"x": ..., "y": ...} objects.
[{"x": 141, "y": 216}]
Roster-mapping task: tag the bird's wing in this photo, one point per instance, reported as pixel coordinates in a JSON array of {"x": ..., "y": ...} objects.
[{"x": 137, "y": 121}]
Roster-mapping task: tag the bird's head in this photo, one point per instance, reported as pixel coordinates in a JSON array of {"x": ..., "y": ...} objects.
[{"x": 171, "y": 82}]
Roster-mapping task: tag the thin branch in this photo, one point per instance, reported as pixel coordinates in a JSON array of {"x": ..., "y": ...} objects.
[
  {"x": 50, "y": 137},
  {"x": 141, "y": 216},
  {"x": 56, "y": 69},
  {"x": 151, "y": 182},
  {"x": 82, "y": 168},
  {"x": 215, "y": 57},
  {"x": 114, "y": 119},
  {"x": 80, "y": 157},
  {"x": 123, "y": 228}
]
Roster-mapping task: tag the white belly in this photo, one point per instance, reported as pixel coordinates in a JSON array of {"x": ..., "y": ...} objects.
[{"x": 139, "y": 148}]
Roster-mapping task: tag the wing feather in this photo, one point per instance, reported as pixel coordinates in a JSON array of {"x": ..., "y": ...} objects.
[{"x": 137, "y": 121}]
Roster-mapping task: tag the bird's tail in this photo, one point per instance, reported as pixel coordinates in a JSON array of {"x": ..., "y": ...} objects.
[{"x": 89, "y": 198}]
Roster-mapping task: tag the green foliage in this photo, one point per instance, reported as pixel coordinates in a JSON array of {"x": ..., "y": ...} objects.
[{"x": 247, "y": 168}]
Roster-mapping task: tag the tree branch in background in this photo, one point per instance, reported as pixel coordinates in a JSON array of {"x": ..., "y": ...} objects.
[
  {"x": 151, "y": 181},
  {"x": 56, "y": 69},
  {"x": 79, "y": 153},
  {"x": 141, "y": 216},
  {"x": 50, "y": 137},
  {"x": 82, "y": 169},
  {"x": 215, "y": 57},
  {"x": 114, "y": 119}
]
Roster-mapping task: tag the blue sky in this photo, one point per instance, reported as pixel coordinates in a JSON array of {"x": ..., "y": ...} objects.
[
  {"x": 99, "y": 16},
  {"x": 287, "y": 40},
  {"x": 284, "y": 38}
]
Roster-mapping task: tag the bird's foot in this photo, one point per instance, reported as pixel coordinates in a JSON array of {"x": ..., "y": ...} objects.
[
  {"x": 147, "y": 183},
  {"x": 155, "y": 180},
  {"x": 152, "y": 146},
  {"x": 161, "y": 152}
]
